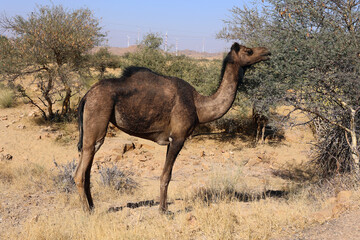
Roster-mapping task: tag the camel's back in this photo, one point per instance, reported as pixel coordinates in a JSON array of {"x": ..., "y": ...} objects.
[{"x": 143, "y": 86}]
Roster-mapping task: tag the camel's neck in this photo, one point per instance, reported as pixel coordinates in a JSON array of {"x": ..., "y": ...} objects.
[{"x": 212, "y": 107}]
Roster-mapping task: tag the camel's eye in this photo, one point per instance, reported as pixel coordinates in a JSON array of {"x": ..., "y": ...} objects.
[{"x": 250, "y": 51}]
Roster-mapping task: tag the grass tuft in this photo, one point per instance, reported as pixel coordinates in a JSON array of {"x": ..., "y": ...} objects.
[{"x": 7, "y": 98}]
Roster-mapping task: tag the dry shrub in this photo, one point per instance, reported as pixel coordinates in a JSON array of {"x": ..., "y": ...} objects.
[
  {"x": 332, "y": 153},
  {"x": 6, "y": 173},
  {"x": 117, "y": 179},
  {"x": 64, "y": 180},
  {"x": 7, "y": 98}
]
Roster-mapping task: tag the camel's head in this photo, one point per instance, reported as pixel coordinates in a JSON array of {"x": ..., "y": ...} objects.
[{"x": 248, "y": 56}]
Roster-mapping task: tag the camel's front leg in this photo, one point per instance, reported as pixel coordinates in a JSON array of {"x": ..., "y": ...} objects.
[{"x": 172, "y": 151}]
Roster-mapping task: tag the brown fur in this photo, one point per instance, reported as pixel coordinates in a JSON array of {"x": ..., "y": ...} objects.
[{"x": 155, "y": 107}]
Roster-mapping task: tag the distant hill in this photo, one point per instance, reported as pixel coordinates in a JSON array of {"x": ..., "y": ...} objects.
[{"x": 190, "y": 53}]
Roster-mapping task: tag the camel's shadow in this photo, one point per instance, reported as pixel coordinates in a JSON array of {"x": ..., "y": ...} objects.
[
  {"x": 149, "y": 203},
  {"x": 206, "y": 197}
]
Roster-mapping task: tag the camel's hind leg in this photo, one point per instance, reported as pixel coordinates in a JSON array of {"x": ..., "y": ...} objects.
[{"x": 95, "y": 122}]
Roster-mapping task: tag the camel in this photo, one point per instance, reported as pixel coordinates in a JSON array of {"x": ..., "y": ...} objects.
[{"x": 160, "y": 108}]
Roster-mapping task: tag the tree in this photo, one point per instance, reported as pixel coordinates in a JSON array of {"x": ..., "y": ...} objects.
[
  {"x": 103, "y": 59},
  {"x": 49, "y": 45},
  {"x": 152, "y": 41},
  {"x": 315, "y": 64}
]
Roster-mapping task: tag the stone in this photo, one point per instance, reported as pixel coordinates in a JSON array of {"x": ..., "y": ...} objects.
[
  {"x": 253, "y": 162},
  {"x": 138, "y": 145},
  {"x": 6, "y": 157},
  {"x": 48, "y": 129},
  {"x": 33, "y": 114},
  {"x": 344, "y": 196},
  {"x": 128, "y": 146}
]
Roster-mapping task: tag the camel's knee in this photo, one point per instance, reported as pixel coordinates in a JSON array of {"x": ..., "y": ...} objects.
[{"x": 79, "y": 176}]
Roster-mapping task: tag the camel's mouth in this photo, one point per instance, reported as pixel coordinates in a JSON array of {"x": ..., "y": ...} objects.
[{"x": 266, "y": 55}]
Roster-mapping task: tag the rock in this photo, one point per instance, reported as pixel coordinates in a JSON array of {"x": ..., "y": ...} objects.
[
  {"x": 3, "y": 118},
  {"x": 21, "y": 126},
  {"x": 58, "y": 136},
  {"x": 127, "y": 147},
  {"x": 48, "y": 129},
  {"x": 227, "y": 155},
  {"x": 334, "y": 206},
  {"x": 253, "y": 162},
  {"x": 7, "y": 157},
  {"x": 138, "y": 145},
  {"x": 148, "y": 147},
  {"x": 110, "y": 134},
  {"x": 190, "y": 217},
  {"x": 196, "y": 163},
  {"x": 202, "y": 154},
  {"x": 33, "y": 114},
  {"x": 344, "y": 196}
]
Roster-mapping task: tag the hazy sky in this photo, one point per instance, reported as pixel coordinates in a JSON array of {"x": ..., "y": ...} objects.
[{"x": 192, "y": 23}]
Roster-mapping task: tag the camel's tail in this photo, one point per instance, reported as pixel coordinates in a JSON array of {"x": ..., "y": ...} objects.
[{"x": 80, "y": 116}]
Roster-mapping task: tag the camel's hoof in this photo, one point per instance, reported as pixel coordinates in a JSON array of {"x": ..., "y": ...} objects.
[{"x": 167, "y": 213}]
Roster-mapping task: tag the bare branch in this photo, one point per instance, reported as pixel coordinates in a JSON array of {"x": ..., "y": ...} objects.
[
  {"x": 23, "y": 93},
  {"x": 323, "y": 118}
]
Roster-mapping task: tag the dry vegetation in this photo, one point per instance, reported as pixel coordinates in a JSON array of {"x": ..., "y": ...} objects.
[{"x": 223, "y": 186}]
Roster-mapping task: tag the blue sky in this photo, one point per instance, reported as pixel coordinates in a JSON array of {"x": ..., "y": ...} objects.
[{"x": 193, "y": 24}]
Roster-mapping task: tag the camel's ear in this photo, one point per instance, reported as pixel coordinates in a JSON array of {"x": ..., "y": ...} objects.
[{"x": 235, "y": 47}]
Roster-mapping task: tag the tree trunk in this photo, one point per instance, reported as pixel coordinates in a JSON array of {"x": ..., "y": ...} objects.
[
  {"x": 46, "y": 94},
  {"x": 353, "y": 145},
  {"x": 66, "y": 103},
  {"x": 62, "y": 71}
]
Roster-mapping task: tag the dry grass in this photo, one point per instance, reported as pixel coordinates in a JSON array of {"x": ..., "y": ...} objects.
[
  {"x": 223, "y": 220},
  {"x": 192, "y": 218},
  {"x": 7, "y": 98}
]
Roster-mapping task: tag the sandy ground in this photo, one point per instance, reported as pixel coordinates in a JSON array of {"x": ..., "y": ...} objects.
[{"x": 202, "y": 157}]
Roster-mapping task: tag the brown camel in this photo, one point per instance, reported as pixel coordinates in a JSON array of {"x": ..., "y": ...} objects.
[{"x": 155, "y": 107}]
